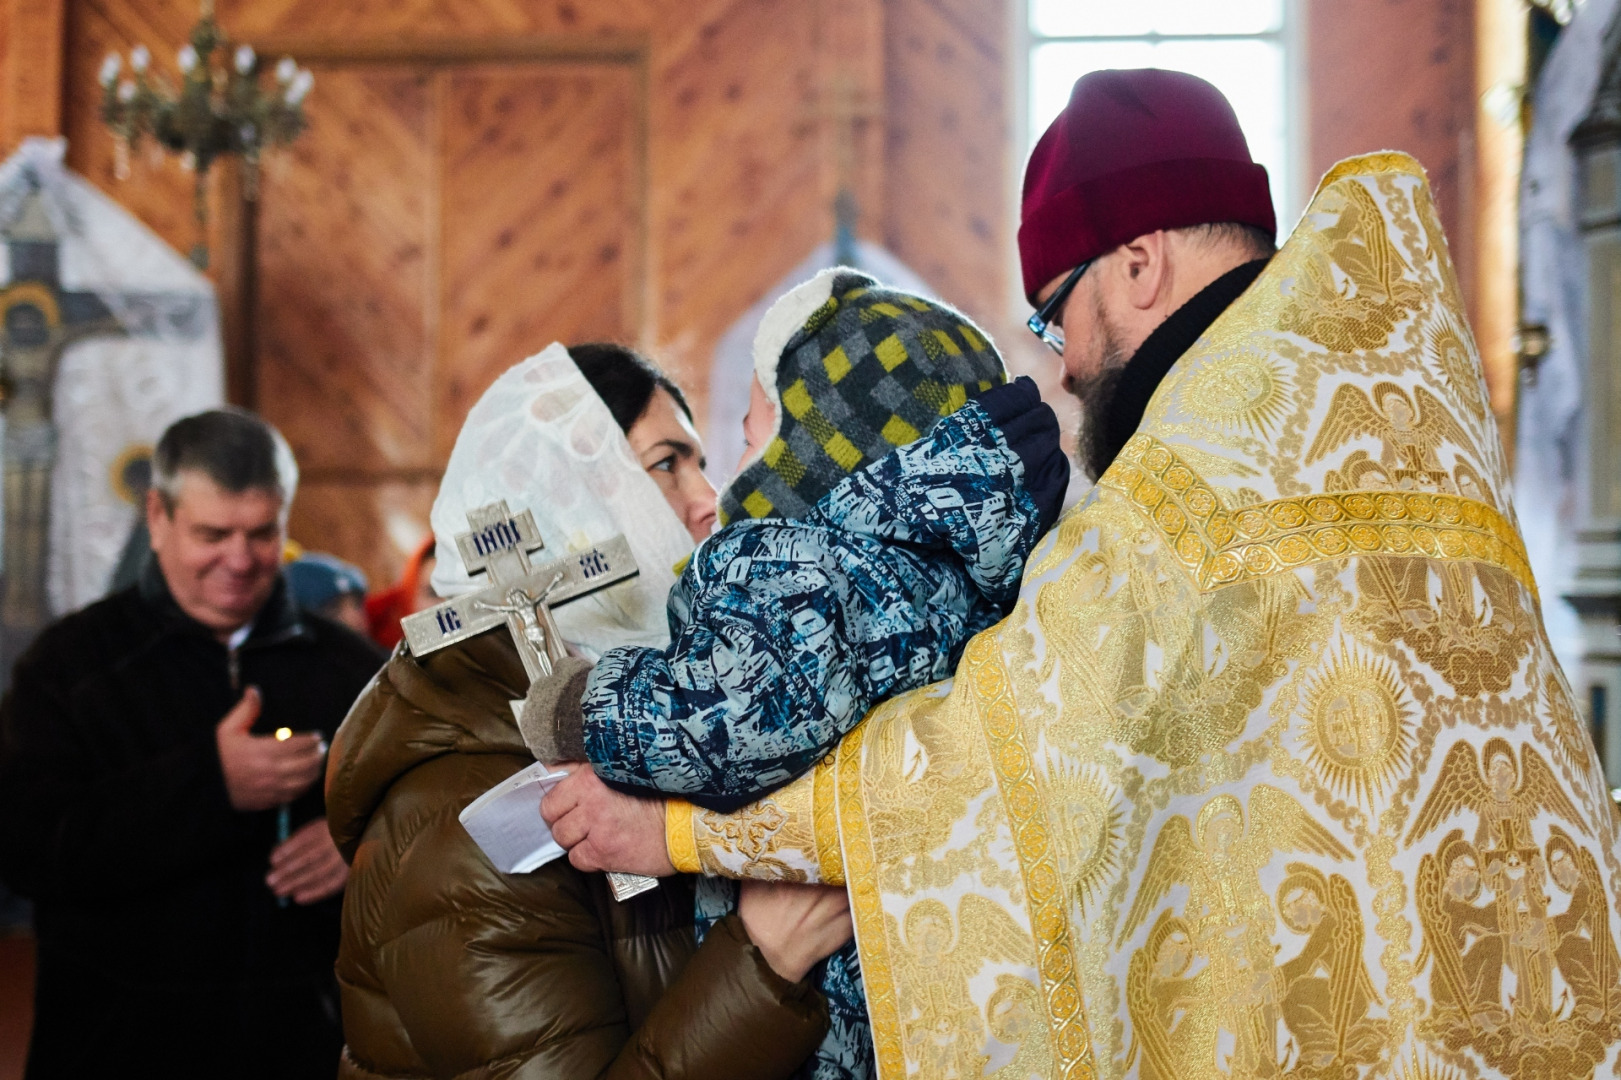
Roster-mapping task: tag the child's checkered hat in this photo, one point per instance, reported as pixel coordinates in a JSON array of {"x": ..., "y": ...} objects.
[{"x": 855, "y": 370}]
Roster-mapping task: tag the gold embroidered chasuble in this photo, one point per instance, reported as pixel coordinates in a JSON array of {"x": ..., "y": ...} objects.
[{"x": 1271, "y": 772}]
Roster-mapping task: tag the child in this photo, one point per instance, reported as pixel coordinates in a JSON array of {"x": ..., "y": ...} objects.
[{"x": 896, "y": 483}]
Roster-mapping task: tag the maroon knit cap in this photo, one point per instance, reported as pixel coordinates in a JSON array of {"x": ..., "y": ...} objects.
[{"x": 1133, "y": 152}]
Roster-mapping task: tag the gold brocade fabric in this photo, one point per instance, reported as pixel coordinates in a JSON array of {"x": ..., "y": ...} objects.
[
  {"x": 1271, "y": 772},
  {"x": 790, "y": 835}
]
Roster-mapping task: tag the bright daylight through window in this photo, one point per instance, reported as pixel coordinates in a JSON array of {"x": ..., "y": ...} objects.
[{"x": 1236, "y": 44}]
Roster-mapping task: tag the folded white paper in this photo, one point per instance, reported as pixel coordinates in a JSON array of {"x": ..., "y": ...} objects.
[{"x": 506, "y": 824}]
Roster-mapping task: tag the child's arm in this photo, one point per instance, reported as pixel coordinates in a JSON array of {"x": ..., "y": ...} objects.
[
  {"x": 807, "y": 628},
  {"x": 985, "y": 485},
  {"x": 790, "y": 631}
]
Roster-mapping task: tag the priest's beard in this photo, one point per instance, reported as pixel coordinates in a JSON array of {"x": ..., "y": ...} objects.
[{"x": 1093, "y": 449}]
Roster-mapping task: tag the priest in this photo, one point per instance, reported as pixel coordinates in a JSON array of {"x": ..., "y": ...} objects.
[{"x": 1271, "y": 770}]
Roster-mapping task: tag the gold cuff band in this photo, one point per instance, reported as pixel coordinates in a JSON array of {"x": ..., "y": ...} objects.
[{"x": 678, "y": 838}]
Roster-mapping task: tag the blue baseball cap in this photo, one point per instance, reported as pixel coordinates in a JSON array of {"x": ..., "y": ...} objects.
[{"x": 316, "y": 579}]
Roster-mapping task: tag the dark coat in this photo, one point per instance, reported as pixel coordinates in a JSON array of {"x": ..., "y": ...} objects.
[
  {"x": 161, "y": 949},
  {"x": 450, "y": 968}
]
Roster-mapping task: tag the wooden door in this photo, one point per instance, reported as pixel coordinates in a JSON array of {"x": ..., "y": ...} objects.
[{"x": 439, "y": 222}]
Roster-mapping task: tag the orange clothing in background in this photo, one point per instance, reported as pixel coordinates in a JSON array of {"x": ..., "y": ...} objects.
[{"x": 385, "y": 609}]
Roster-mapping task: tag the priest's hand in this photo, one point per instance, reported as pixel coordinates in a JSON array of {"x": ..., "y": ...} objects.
[
  {"x": 604, "y": 829},
  {"x": 306, "y": 866},
  {"x": 262, "y": 771}
]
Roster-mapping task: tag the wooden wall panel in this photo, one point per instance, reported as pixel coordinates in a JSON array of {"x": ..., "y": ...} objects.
[
  {"x": 740, "y": 189},
  {"x": 158, "y": 191},
  {"x": 443, "y": 21},
  {"x": 947, "y": 128},
  {"x": 31, "y": 55},
  {"x": 440, "y": 221},
  {"x": 1398, "y": 74},
  {"x": 345, "y": 275},
  {"x": 542, "y": 217},
  {"x": 733, "y": 143},
  {"x": 369, "y": 522},
  {"x": 11, "y": 67}
]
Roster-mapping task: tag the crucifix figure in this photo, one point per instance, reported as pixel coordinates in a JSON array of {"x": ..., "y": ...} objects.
[{"x": 498, "y": 544}]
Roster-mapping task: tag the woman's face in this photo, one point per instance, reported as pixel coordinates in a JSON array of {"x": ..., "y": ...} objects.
[{"x": 664, "y": 441}]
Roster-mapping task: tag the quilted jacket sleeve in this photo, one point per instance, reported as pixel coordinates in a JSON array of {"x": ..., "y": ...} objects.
[
  {"x": 450, "y": 968},
  {"x": 786, "y": 633},
  {"x": 525, "y": 985},
  {"x": 709, "y": 1022}
]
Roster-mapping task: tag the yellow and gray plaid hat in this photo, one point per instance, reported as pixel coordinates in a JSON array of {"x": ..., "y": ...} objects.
[{"x": 855, "y": 370}]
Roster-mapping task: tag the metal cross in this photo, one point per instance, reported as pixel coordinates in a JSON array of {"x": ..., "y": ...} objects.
[{"x": 521, "y": 595}]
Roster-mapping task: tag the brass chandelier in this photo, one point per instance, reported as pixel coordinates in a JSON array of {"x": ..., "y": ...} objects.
[{"x": 221, "y": 109}]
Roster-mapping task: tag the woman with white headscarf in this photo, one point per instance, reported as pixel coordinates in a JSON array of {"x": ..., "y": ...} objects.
[{"x": 451, "y": 968}]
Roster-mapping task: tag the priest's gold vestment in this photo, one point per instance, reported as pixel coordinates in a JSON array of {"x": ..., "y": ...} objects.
[{"x": 1271, "y": 772}]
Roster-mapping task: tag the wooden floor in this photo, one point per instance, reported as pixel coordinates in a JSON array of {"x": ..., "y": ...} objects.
[{"x": 16, "y": 1002}]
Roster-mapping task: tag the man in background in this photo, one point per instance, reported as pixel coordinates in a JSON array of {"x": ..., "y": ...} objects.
[{"x": 159, "y": 758}]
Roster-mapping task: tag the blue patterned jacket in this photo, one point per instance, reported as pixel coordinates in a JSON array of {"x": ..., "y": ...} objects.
[{"x": 785, "y": 633}]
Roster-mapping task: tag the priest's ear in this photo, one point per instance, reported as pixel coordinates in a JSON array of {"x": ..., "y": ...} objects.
[{"x": 1144, "y": 268}]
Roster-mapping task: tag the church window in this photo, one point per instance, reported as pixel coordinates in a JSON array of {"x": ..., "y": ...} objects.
[{"x": 1241, "y": 46}]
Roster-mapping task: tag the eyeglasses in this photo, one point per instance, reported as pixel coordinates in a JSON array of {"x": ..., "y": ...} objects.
[{"x": 1041, "y": 323}]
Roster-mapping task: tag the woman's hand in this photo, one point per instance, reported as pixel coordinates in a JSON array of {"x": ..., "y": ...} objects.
[{"x": 795, "y": 926}]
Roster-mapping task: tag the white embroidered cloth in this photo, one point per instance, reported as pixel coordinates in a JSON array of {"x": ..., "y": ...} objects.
[{"x": 541, "y": 439}]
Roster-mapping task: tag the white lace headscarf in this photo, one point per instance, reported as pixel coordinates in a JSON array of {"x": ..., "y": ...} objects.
[{"x": 541, "y": 439}]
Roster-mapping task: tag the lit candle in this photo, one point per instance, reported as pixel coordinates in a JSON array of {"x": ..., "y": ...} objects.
[{"x": 284, "y": 812}]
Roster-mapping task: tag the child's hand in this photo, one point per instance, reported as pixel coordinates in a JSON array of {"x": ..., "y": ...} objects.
[
  {"x": 551, "y": 721},
  {"x": 604, "y": 829}
]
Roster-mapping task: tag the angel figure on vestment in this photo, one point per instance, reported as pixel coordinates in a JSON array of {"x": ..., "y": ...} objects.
[
  {"x": 942, "y": 953},
  {"x": 1462, "y": 939},
  {"x": 1173, "y": 1016},
  {"x": 1229, "y": 913},
  {"x": 1327, "y": 987},
  {"x": 1505, "y": 795},
  {"x": 1352, "y": 293},
  {"x": 1583, "y": 945},
  {"x": 1412, "y": 430}
]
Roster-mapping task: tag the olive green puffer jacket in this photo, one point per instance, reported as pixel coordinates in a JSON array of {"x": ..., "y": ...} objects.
[{"x": 449, "y": 968}]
